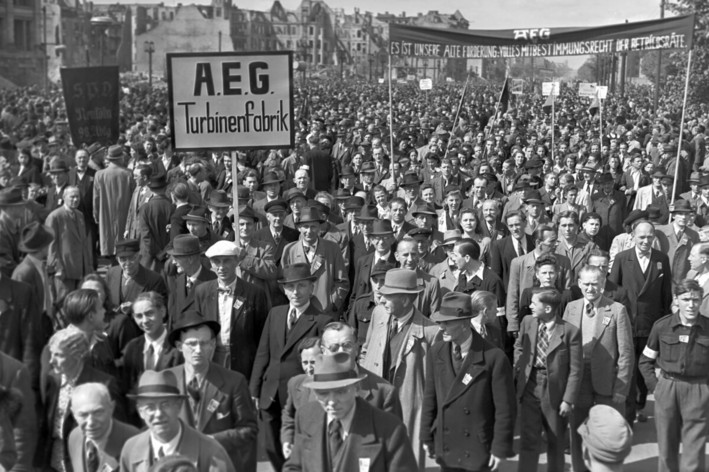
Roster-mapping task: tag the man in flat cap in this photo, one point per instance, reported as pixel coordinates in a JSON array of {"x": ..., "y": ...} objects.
[
  {"x": 341, "y": 432},
  {"x": 239, "y": 306},
  {"x": 607, "y": 439},
  {"x": 158, "y": 400}
]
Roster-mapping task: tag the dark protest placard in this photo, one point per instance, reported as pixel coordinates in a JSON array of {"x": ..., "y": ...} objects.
[
  {"x": 231, "y": 100},
  {"x": 91, "y": 97}
]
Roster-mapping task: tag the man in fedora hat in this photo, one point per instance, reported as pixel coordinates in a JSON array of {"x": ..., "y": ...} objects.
[
  {"x": 219, "y": 205},
  {"x": 218, "y": 401},
  {"x": 256, "y": 261},
  {"x": 677, "y": 238},
  {"x": 359, "y": 313},
  {"x": 239, "y": 306},
  {"x": 655, "y": 194},
  {"x": 341, "y": 432},
  {"x": 324, "y": 258},
  {"x": 59, "y": 175},
  {"x": 140, "y": 196},
  {"x": 348, "y": 181},
  {"x": 277, "y": 358},
  {"x": 193, "y": 270},
  {"x": 276, "y": 233},
  {"x": 397, "y": 343},
  {"x": 113, "y": 187},
  {"x": 610, "y": 204},
  {"x": 198, "y": 225},
  {"x": 468, "y": 382},
  {"x": 159, "y": 401},
  {"x": 296, "y": 201},
  {"x": 153, "y": 218},
  {"x": 271, "y": 185},
  {"x": 446, "y": 271},
  {"x": 35, "y": 239},
  {"x": 382, "y": 238},
  {"x": 71, "y": 252}
]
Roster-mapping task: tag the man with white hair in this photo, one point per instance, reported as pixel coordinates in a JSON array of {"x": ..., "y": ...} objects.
[
  {"x": 96, "y": 443},
  {"x": 302, "y": 183},
  {"x": 239, "y": 306}
]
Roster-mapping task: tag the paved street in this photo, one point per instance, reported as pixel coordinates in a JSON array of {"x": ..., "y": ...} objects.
[{"x": 643, "y": 458}]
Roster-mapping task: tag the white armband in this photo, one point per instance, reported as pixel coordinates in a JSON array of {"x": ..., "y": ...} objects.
[{"x": 649, "y": 353}]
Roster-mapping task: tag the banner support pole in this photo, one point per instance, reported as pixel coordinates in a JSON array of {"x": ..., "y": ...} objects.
[
  {"x": 681, "y": 125},
  {"x": 391, "y": 126},
  {"x": 553, "y": 119},
  {"x": 457, "y": 113},
  {"x": 600, "y": 117},
  {"x": 235, "y": 195}
]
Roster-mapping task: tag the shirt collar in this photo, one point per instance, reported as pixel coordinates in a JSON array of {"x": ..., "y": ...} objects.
[
  {"x": 157, "y": 344},
  {"x": 405, "y": 319},
  {"x": 345, "y": 421},
  {"x": 594, "y": 303},
  {"x": 231, "y": 286},
  {"x": 478, "y": 273},
  {"x": 465, "y": 347},
  {"x": 301, "y": 310},
  {"x": 168, "y": 448},
  {"x": 101, "y": 442},
  {"x": 640, "y": 256}
]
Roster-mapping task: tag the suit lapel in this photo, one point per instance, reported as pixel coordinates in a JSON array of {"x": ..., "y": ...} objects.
[
  {"x": 212, "y": 393},
  {"x": 602, "y": 313},
  {"x": 361, "y": 441},
  {"x": 555, "y": 338},
  {"x": 301, "y": 327},
  {"x": 473, "y": 366}
]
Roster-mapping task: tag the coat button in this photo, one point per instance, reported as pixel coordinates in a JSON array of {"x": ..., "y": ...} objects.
[
  {"x": 466, "y": 434},
  {"x": 466, "y": 411}
]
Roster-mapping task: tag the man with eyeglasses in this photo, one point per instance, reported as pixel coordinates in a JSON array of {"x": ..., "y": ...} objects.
[
  {"x": 159, "y": 401},
  {"x": 218, "y": 401}
]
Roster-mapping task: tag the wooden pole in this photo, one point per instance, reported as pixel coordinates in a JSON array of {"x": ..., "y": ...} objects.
[
  {"x": 681, "y": 125},
  {"x": 391, "y": 127},
  {"x": 235, "y": 195}
]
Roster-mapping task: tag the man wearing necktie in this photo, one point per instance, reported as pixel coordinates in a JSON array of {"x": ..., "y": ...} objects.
[
  {"x": 95, "y": 444},
  {"x": 607, "y": 347},
  {"x": 277, "y": 358},
  {"x": 218, "y": 402},
  {"x": 468, "y": 383},
  {"x": 548, "y": 368},
  {"x": 159, "y": 401},
  {"x": 341, "y": 432}
]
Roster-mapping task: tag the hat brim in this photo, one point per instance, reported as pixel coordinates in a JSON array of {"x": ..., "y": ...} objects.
[
  {"x": 330, "y": 384},
  {"x": 218, "y": 204},
  {"x": 174, "y": 335},
  {"x": 134, "y": 396},
  {"x": 183, "y": 254},
  {"x": 115, "y": 158},
  {"x": 58, "y": 171},
  {"x": 439, "y": 317},
  {"x": 268, "y": 182},
  {"x": 681, "y": 210},
  {"x": 321, "y": 221},
  {"x": 393, "y": 291},
  {"x": 298, "y": 279},
  {"x": 41, "y": 244},
  {"x": 381, "y": 233},
  {"x": 195, "y": 218},
  {"x": 534, "y": 200}
]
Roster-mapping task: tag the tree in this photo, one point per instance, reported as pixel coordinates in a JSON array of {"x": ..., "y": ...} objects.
[{"x": 587, "y": 71}]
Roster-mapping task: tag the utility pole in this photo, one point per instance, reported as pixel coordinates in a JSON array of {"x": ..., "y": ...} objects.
[{"x": 150, "y": 49}]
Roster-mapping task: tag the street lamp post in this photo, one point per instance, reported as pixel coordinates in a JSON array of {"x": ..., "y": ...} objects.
[
  {"x": 150, "y": 49},
  {"x": 370, "y": 67},
  {"x": 103, "y": 23}
]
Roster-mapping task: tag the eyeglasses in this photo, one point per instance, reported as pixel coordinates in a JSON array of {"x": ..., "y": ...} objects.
[{"x": 345, "y": 347}]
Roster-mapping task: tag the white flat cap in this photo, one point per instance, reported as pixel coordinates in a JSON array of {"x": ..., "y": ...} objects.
[{"x": 222, "y": 248}]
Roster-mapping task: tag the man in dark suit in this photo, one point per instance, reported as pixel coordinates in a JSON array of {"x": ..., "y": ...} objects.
[
  {"x": 610, "y": 205},
  {"x": 607, "y": 347},
  {"x": 277, "y": 359},
  {"x": 193, "y": 270},
  {"x": 166, "y": 433},
  {"x": 382, "y": 238},
  {"x": 82, "y": 176},
  {"x": 276, "y": 234},
  {"x": 469, "y": 382},
  {"x": 490, "y": 226},
  {"x": 153, "y": 217},
  {"x": 646, "y": 275},
  {"x": 35, "y": 239},
  {"x": 95, "y": 444},
  {"x": 271, "y": 185},
  {"x": 240, "y": 308},
  {"x": 548, "y": 368},
  {"x": 152, "y": 351},
  {"x": 125, "y": 282},
  {"x": 14, "y": 375},
  {"x": 59, "y": 174},
  {"x": 180, "y": 196},
  {"x": 219, "y": 205},
  {"x": 218, "y": 401},
  {"x": 398, "y": 210},
  {"x": 345, "y": 433},
  {"x": 516, "y": 244}
]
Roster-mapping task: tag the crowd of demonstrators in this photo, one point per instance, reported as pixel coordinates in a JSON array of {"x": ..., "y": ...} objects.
[{"x": 378, "y": 295}]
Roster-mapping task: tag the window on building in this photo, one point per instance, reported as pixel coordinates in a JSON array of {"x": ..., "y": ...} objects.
[
  {"x": 219, "y": 12},
  {"x": 359, "y": 47},
  {"x": 23, "y": 35},
  {"x": 164, "y": 16},
  {"x": 311, "y": 30},
  {"x": 359, "y": 34},
  {"x": 172, "y": 15}
]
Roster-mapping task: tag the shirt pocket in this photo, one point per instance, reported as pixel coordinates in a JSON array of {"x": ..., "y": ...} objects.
[
  {"x": 702, "y": 354},
  {"x": 670, "y": 348}
]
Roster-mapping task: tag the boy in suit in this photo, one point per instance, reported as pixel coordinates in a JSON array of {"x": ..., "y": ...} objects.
[{"x": 548, "y": 368}]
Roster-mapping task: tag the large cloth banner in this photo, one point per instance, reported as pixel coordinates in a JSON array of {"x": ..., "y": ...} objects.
[
  {"x": 231, "y": 100},
  {"x": 91, "y": 97},
  {"x": 417, "y": 41}
]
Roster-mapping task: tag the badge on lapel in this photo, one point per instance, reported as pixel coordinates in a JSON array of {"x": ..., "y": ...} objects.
[
  {"x": 316, "y": 264},
  {"x": 683, "y": 338},
  {"x": 466, "y": 379},
  {"x": 238, "y": 302},
  {"x": 4, "y": 306},
  {"x": 213, "y": 405},
  {"x": 606, "y": 320},
  {"x": 364, "y": 464},
  {"x": 659, "y": 267}
]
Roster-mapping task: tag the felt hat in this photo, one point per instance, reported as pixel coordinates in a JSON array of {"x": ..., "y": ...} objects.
[
  {"x": 310, "y": 215},
  {"x": 367, "y": 167},
  {"x": 10, "y": 196},
  {"x": 115, "y": 153},
  {"x": 605, "y": 178},
  {"x": 293, "y": 193},
  {"x": 606, "y": 434},
  {"x": 423, "y": 210},
  {"x": 451, "y": 236},
  {"x": 401, "y": 281},
  {"x": 454, "y": 306},
  {"x": 296, "y": 273},
  {"x": 354, "y": 203},
  {"x": 275, "y": 206},
  {"x": 158, "y": 181},
  {"x": 653, "y": 213},
  {"x": 185, "y": 245},
  {"x": 681, "y": 206},
  {"x": 153, "y": 384},
  {"x": 219, "y": 198},
  {"x": 34, "y": 236},
  {"x": 197, "y": 214},
  {"x": 381, "y": 228},
  {"x": 127, "y": 247},
  {"x": 410, "y": 179},
  {"x": 347, "y": 171},
  {"x": 533, "y": 196},
  {"x": 420, "y": 233},
  {"x": 367, "y": 213},
  {"x": 333, "y": 371},
  {"x": 270, "y": 178},
  {"x": 191, "y": 319},
  {"x": 381, "y": 267},
  {"x": 634, "y": 216},
  {"x": 248, "y": 213},
  {"x": 58, "y": 166}
]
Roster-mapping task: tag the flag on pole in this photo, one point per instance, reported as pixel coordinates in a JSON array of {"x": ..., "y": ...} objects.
[
  {"x": 548, "y": 104},
  {"x": 504, "y": 97},
  {"x": 593, "y": 108}
]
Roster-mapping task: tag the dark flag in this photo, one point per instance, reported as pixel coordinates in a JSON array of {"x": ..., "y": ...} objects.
[
  {"x": 548, "y": 105},
  {"x": 504, "y": 97},
  {"x": 593, "y": 108}
]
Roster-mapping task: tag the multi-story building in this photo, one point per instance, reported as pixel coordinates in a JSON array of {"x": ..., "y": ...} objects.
[{"x": 22, "y": 60}]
